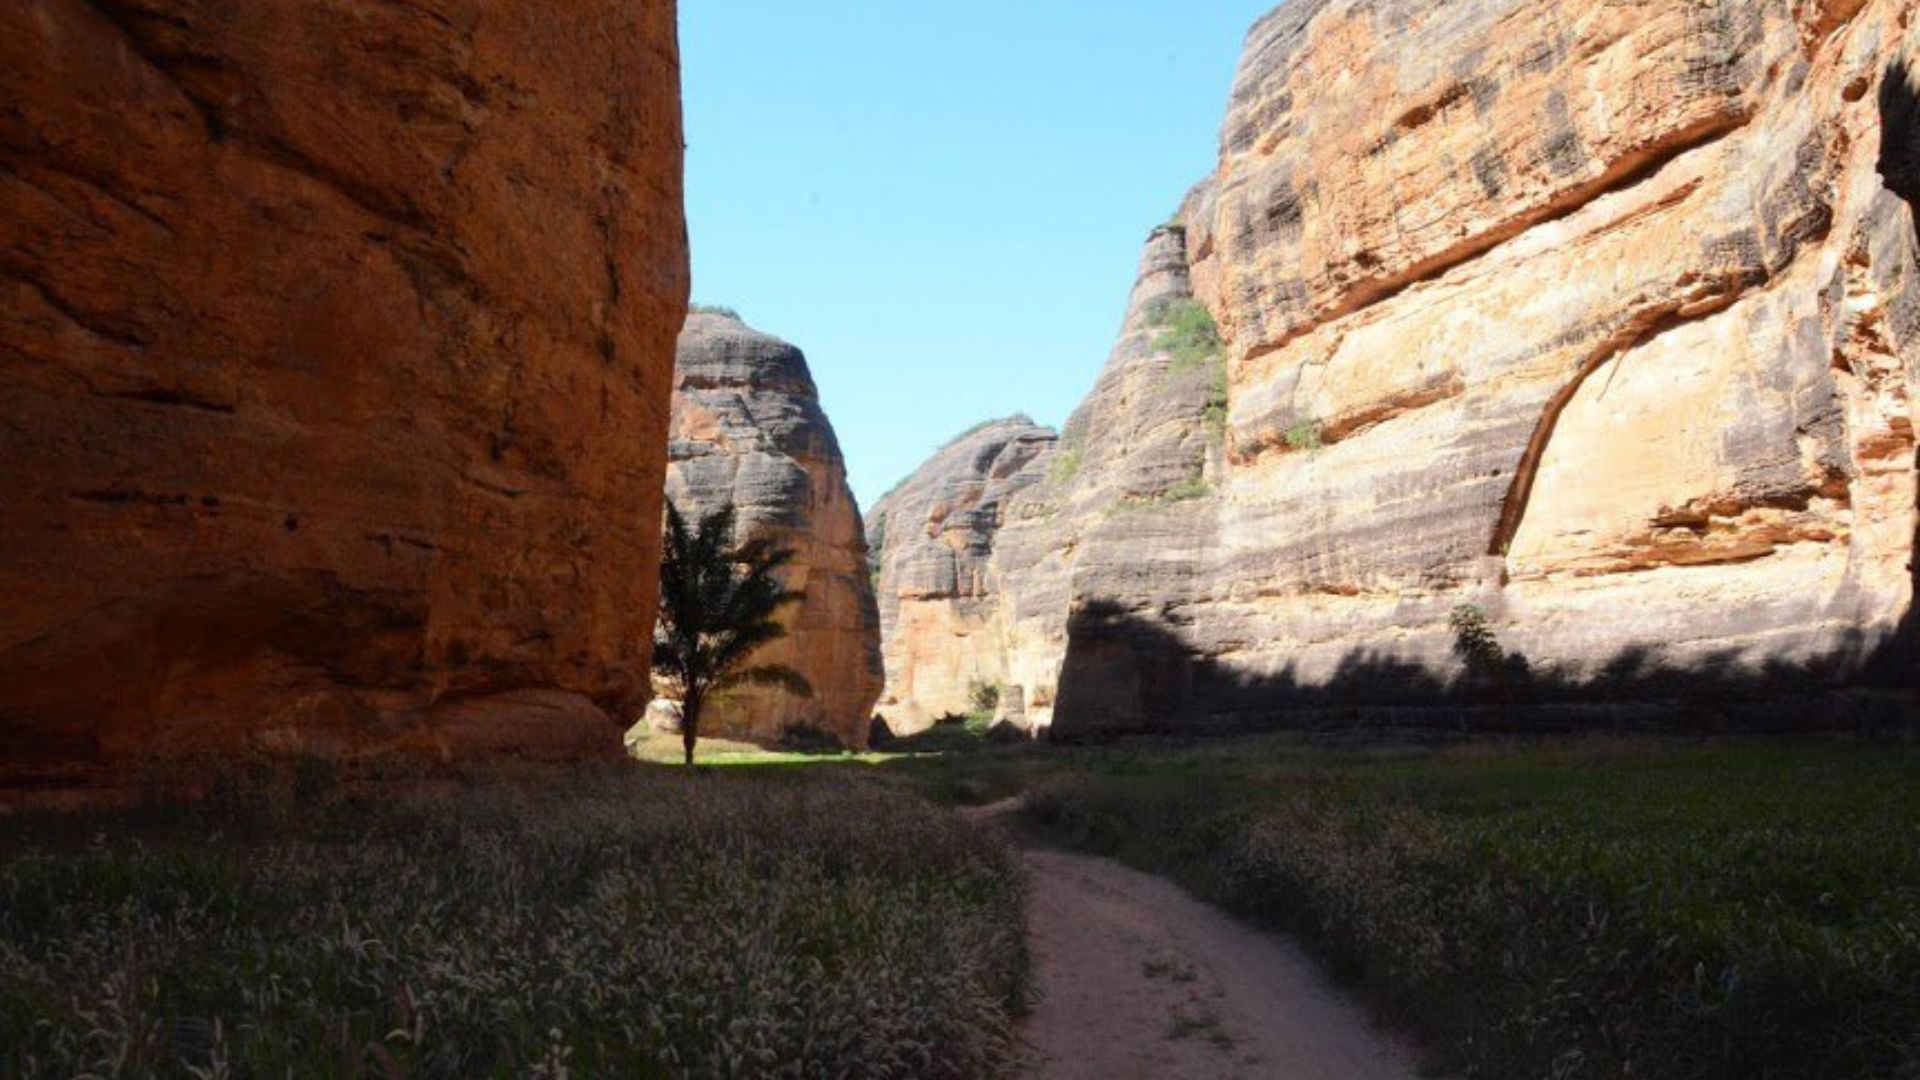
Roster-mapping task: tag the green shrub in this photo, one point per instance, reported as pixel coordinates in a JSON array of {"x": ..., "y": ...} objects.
[
  {"x": 1215, "y": 419},
  {"x": 1187, "y": 333},
  {"x": 614, "y": 923},
  {"x": 810, "y": 739},
  {"x": 713, "y": 309},
  {"x": 876, "y": 548},
  {"x": 1016, "y": 418},
  {"x": 1066, "y": 463},
  {"x": 983, "y": 697},
  {"x": 1194, "y": 487},
  {"x": 1478, "y": 648},
  {"x": 1304, "y": 435}
]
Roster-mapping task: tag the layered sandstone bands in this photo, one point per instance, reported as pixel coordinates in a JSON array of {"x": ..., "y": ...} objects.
[
  {"x": 933, "y": 543},
  {"x": 1606, "y": 321},
  {"x": 337, "y": 350},
  {"x": 748, "y": 431}
]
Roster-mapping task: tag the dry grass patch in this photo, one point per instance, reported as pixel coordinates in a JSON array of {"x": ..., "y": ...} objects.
[{"x": 625, "y": 922}]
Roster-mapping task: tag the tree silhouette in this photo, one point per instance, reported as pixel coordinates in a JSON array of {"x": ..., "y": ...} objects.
[{"x": 719, "y": 604}]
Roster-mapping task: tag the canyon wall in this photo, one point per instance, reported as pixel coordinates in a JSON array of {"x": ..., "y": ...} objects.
[
  {"x": 932, "y": 538},
  {"x": 748, "y": 431},
  {"x": 336, "y": 343},
  {"x": 1601, "y": 316}
]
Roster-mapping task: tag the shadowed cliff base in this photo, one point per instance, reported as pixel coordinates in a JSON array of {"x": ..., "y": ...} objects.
[
  {"x": 1126, "y": 675},
  {"x": 1899, "y": 165}
]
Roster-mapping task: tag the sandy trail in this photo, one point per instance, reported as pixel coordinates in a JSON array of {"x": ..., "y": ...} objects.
[{"x": 1138, "y": 979}]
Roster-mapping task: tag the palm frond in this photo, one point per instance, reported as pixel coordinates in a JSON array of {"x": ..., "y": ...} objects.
[
  {"x": 778, "y": 676},
  {"x": 720, "y": 602}
]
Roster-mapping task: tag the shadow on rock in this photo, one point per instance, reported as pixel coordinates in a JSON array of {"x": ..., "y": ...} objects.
[{"x": 1126, "y": 674}]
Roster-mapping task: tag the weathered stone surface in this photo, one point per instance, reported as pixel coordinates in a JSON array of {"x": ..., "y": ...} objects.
[
  {"x": 1597, "y": 314},
  {"x": 335, "y": 352},
  {"x": 748, "y": 430},
  {"x": 933, "y": 539}
]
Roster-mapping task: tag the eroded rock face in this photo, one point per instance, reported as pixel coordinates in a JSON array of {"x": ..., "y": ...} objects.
[
  {"x": 933, "y": 538},
  {"x": 337, "y": 349},
  {"x": 748, "y": 430},
  {"x": 1598, "y": 315}
]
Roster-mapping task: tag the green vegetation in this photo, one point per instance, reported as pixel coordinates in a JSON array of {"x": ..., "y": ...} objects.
[
  {"x": 617, "y": 922},
  {"x": 713, "y": 309},
  {"x": 1187, "y": 333},
  {"x": 1585, "y": 909},
  {"x": 1193, "y": 487},
  {"x": 1478, "y": 648},
  {"x": 983, "y": 698},
  {"x": 1016, "y": 418},
  {"x": 810, "y": 739},
  {"x": 1304, "y": 435},
  {"x": 1215, "y": 416},
  {"x": 1066, "y": 462},
  {"x": 953, "y": 734},
  {"x": 660, "y": 748},
  {"x": 719, "y": 605},
  {"x": 876, "y": 548}
]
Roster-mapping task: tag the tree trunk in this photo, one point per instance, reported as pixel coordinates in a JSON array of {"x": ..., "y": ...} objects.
[{"x": 690, "y": 724}]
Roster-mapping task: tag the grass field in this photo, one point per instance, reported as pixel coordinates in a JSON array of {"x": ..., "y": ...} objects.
[
  {"x": 1574, "y": 910},
  {"x": 664, "y": 748},
  {"x": 631, "y": 922},
  {"x": 1582, "y": 909}
]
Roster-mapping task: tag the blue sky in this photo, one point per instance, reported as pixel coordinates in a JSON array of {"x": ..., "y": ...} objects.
[{"x": 943, "y": 202}]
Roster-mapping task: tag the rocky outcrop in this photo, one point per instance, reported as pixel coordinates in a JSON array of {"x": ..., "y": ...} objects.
[
  {"x": 337, "y": 349},
  {"x": 1597, "y": 315},
  {"x": 748, "y": 431},
  {"x": 933, "y": 539}
]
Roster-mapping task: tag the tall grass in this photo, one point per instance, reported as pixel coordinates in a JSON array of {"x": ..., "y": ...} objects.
[
  {"x": 1638, "y": 911},
  {"x": 620, "y": 923}
]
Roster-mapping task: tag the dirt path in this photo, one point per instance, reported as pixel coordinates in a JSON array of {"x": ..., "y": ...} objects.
[{"x": 1138, "y": 979}]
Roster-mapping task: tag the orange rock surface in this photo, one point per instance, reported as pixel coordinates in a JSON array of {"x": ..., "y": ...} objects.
[
  {"x": 1600, "y": 315},
  {"x": 335, "y": 350},
  {"x": 749, "y": 431}
]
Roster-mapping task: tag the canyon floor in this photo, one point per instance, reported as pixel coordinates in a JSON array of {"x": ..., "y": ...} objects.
[{"x": 1136, "y": 978}]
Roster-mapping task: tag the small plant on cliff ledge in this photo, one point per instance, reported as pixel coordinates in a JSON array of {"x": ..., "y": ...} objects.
[
  {"x": 719, "y": 604},
  {"x": 1066, "y": 464},
  {"x": 983, "y": 697},
  {"x": 1304, "y": 435},
  {"x": 1187, "y": 333},
  {"x": 713, "y": 309},
  {"x": 1477, "y": 647}
]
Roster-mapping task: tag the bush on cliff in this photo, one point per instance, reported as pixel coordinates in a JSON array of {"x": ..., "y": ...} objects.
[{"x": 1187, "y": 333}]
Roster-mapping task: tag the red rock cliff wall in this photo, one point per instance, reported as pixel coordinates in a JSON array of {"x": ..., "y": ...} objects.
[{"x": 336, "y": 342}]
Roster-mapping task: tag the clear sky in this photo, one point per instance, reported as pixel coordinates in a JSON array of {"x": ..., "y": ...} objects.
[{"x": 943, "y": 201}]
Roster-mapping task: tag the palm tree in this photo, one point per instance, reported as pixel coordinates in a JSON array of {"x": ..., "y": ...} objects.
[{"x": 718, "y": 606}]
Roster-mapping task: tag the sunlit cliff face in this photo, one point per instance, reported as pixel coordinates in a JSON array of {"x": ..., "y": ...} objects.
[
  {"x": 749, "y": 431},
  {"x": 1613, "y": 336},
  {"x": 338, "y": 348}
]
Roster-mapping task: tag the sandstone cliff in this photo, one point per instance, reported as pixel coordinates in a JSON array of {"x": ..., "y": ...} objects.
[
  {"x": 748, "y": 430},
  {"x": 932, "y": 538},
  {"x": 337, "y": 349},
  {"x": 1598, "y": 314}
]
